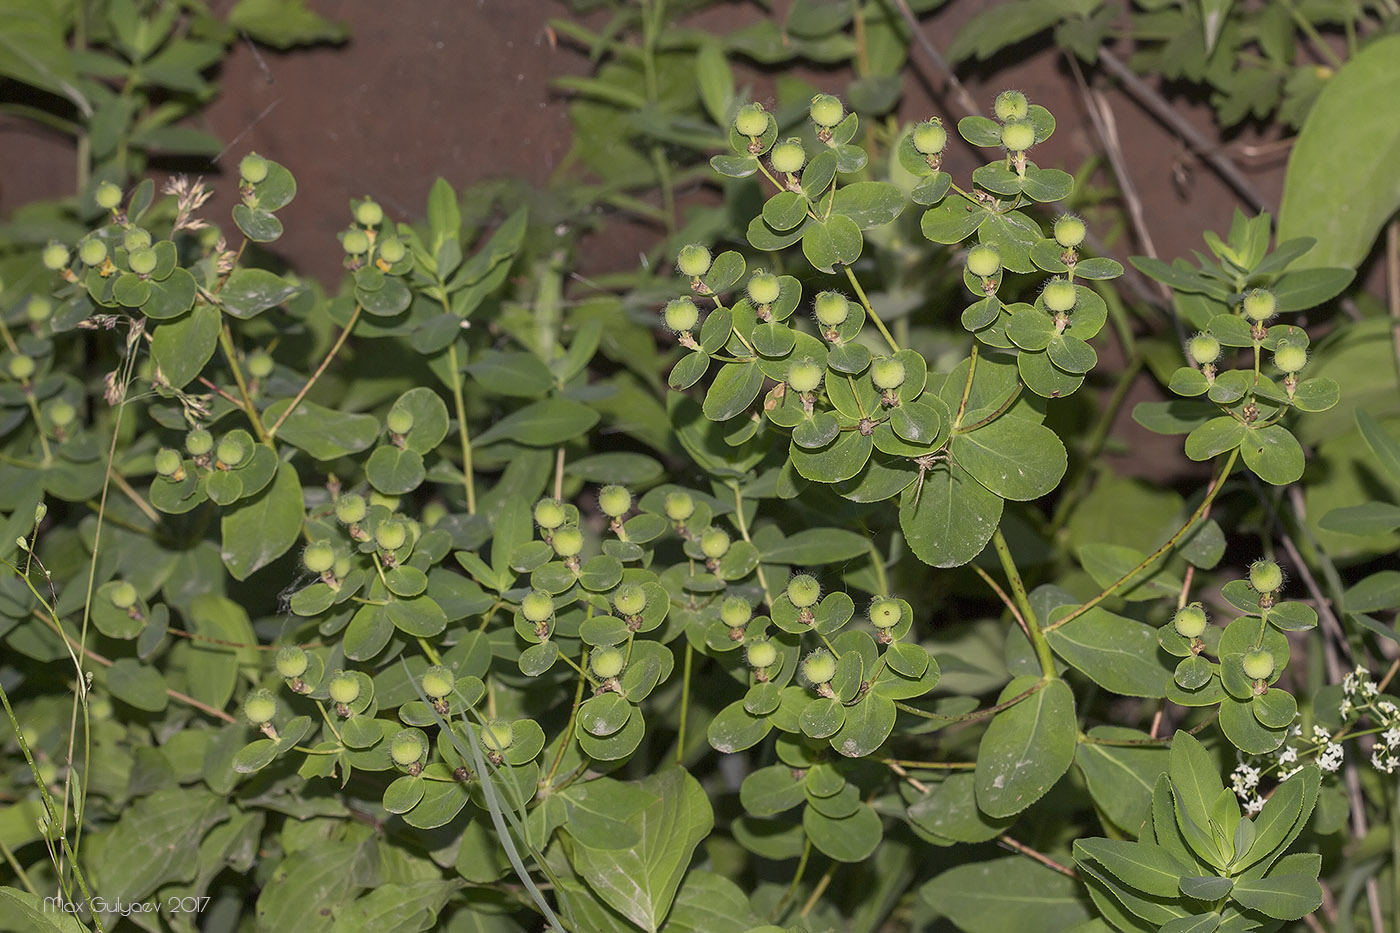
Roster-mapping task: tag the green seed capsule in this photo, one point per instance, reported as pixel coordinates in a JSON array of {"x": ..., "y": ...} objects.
[
  {"x": 1260, "y": 305},
  {"x": 885, "y": 613},
  {"x": 438, "y": 682},
  {"x": 1070, "y": 231},
  {"x": 788, "y": 156},
  {"x": 614, "y": 501},
  {"x": 318, "y": 557},
  {"x": 693, "y": 260},
  {"x": 259, "y": 707},
  {"x": 344, "y": 688},
  {"x": 1190, "y": 621},
  {"x": 406, "y": 747},
  {"x": 679, "y": 506},
  {"x": 929, "y": 137},
  {"x": 832, "y": 309},
  {"x": 751, "y": 120},
  {"x": 826, "y": 110},
  {"x": 253, "y": 168},
  {"x": 804, "y": 376},
  {"x": 761, "y": 654},
  {"x": 537, "y": 607},
  {"x": 1258, "y": 664},
  {"x": 1011, "y": 105},
  {"x": 350, "y": 508},
  {"x": 549, "y": 514},
  {"x": 1265, "y": 576},
  {"x": 1203, "y": 349},
  {"x": 763, "y": 288},
  {"x": 630, "y": 600},
  {"x": 292, "y": 661},
  {"x": 803, "y": 590},
  {"x": 983, "y": 261},
  {"x": 1018, "y": 136},
  {"x": 735, "y": 611},
  {"x": 819, "y": 667},
  {"x": 607, "y": 663},
  {"x": 1060, "y": 296}
]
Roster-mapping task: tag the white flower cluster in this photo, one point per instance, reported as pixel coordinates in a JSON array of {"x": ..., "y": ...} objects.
[{"x": 1361, "y": 696}]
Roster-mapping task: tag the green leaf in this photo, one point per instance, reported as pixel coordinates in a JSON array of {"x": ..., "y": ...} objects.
[
  {"x": 181, "y": 347},
  {"x": 171, "y": 297},
  {"x": 1142, "y": 865},
  {"x": 836, "y": 241},
  {"x": 851, "y": 838},
  {"x": 37, "y": 912},
  {"x": 1195, "y": 779},
  {"x": 771, "y": 790},
  {"x": 948, "y": 517},
  {"x": 785, "y": 210},
  {"x": 1385, "y": 448},
  {"x": 840, "y": 460},
  {"x": 715, "y": 81},
  {"x": 138, "y": 684},
  {"x": 1027, "y": 748},
  {"x": 1016, "y": 458},
  {"x": 734, "y": 729},
  {"x": 1283, "y": 897},
  {"x": 259, "y": 530},
  {"x": 257, "y": 225},
  {"x": 249, "y": 292},
  {"x": 283, "y": 23},
  {"x": 1007, "y": 895},
  {"x": 868, "y": 723},
  {"x": 324, "y": 433},
  {"x": 1344, "y": 211},
  {"x": 158, "y": 838},
  {"x": 215, "y": 659},
  {"x": 641, "y": 882},
  {"x": 869, "y": 203},
  {"x": 1273, "y": 453},
  {"x": 1216, "y": 436},
  {"x": 1120, "y": 778},
  {"x": 733, "y": 390},
  {"x": 816, "y": 546},
  {"x": 398, "y": 906},
  {"x": 1117, "y": 653},
  {"x": 312, "y": 880},
  {"x": 710, "y": 903},
  {"x": 542, "y": 424}
]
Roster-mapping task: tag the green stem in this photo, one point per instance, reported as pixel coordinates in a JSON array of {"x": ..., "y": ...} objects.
[
  {"x": 744, "y": 532},
  {"x": 1018, "y": 593},
  {"x": 249, "y": 409},
  {"x": 930, "y": 765},
  {"x": 459, "y": 402},
  {"x": 330, "y": 355},
  {"x": 1156, "y": 555},
  {"x": 796, "y": 880},
  {"x": 865, "y": 303},
  {"x": 685, "y": 704},
  {"x": 977, "y": 713}
]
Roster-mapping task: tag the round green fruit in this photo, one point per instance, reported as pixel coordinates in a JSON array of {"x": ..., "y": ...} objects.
[
  {"x": 93, "y": 252},
  {"x": 344, "y": 688},
  {"x": 1010, "y": 105},
  {"x": 1060, "y": 296},
  {"x": 826, "y": 110},
  {"x": 438, "y": 682},
  {"x": 537, "y": 607},
  {"x": 399, "y": 421},
  {"x": 253, "y": 168},
  {"x": 885, "y": 613},
  {"x": 260, "y": 364},
  {"x": 168, "y": 461},
  {"x": 693, "y": 260},
  {"x": 761, "y": 654},
  {"x": 887, "y": 373},
  {"x": 606, "y": 662},
  {"x": 763, "y": 288},
  {"x": 1203, "y": 349},
  {"x": 136, "y": 238},
  {"x": 549, "y": 514},
  {"x": 368, "y": 213},
  {"x": 406, "y": 748},
  {"x": 142, "y": 261},
  {"x": 61, "y": 412},
  {"x": 819, "y": 666},
  {"x": 804, "y": 376},
  {"x": 355, "y": 242},
  {"x": 497, "y": 735},
  {"x": 930, "y": 137},
  {"x": 714, "y": 543},
  {"x": 123, "y": 595},
  {"x": 803, "y": 590},
  {"x": 1290, "y": 357},
  {"x": 1070, "y": 231},
  {"x": 751, "y": 120},
  {"x": 199, "y": 442},
  {"x": 390, "y": 535},
  {"x": 392, "y": 250},
  {"x": 231, "y": 451},
  {"x": 735, "y": 611},
  {"x": 291, "y": 661},
  {"x": 630, "y": 599},
  {"x": 1265, "y": 576},
  {"x": 1258, "y": 664},
  {"x": 1260, "y": 305},
  {"x": 788, "y": 156},
  {"x": 259, "y": 707},
  {"x": 832, "y": 309},
  {"x": 21, "y": 366},
  {"x": 681, "y": 315},
  {"x": 108, "y": 196},
  {"x": 983, "y": 261},
  {"x": 318, "y": 557},
  {"x": 1018, "y": 136},
  {"x": 614, "y": 501},
  {"x": 351, "y": 508},
  {"x": 55, "y": 257},
  {"x": 39, "y": 309},
  {"x": 1190, "y": 621},
  {"x": 679, "y": 506},
  {"x": 568, "y": 541}
]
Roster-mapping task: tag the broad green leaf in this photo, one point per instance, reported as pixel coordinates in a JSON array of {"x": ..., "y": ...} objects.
[
  {"x": 1216, "y": 436},
  {"x": 155, "y": 840},
  {"x": 948, "y": 517},
  {"x": 1007, "y": 895},
  {"x": 1013, "y": 457},
  {"x": 324, "y": 433},
  {"x": 1142, "y": 865},
  {"x": 312, "y": 882},
  {"x": 1283, "y": 897},
  {"x": 215, "y": 659},
  {"x": 249, "y": 292},
  {"x": 771, "y": 790},
  {"x": 542, "y": 424},
  {"x": 1117, "y": 653},
  {"x": 732, "y": 391},
  {"x": 1194, "y": 776},
  {"x": 1344, "y": 211},
  {"x": 715, "y": 81},
  {"x": 851, "y": 838},
  {"x": 1120, "y": 778},
  {"x": 950, "y": 813},
  {"x": 1027, "y": 748},
  {"x": 816, "y": 546},
  {"x": 512, "y": 373},
  {"x": 710, "y": 903},
  {"x": 869, "y": 203},
  {"x": 138, "y": 684},
  {"x": 259, "y": 530},
  {"x": 1273, "y": 453},
  {"x": 397, "y": 907},
  {"x": 181, "y": 347},
  {"x": 840, "y": 460},
  {"x": 641, "y": 882},
  {"x": 37, "y": 913},
  {"x": 734, "y": 729},
  {"x": 868, "y": 723},
  {"x": 1108, "y": 563},
  {"x": 1385, "y": 448},
  {"x": 836, "y": 241}
]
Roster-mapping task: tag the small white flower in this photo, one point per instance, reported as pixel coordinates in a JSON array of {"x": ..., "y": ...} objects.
[
  {"x": 1392, "y": 738},
  {"x": 1331, "y": 758},
  {"x": 1285, "y": 775},
  {"x": 1254, "y": 805},
  {"x": 1382, "y": 761},
  {"x": 1320, "y": 734},
  {"x": 1288, "y": 755}
]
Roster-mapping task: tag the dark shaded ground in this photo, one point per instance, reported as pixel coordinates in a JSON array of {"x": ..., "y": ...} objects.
[{"x": 462, "y": 89}]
